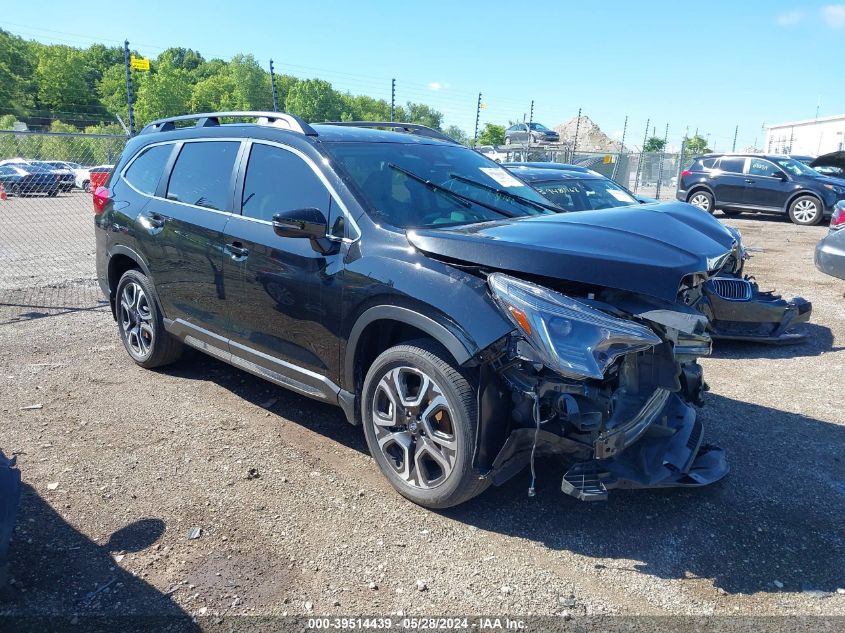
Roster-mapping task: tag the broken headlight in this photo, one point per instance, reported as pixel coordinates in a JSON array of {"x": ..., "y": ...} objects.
[{"x": 569, "y": 336}]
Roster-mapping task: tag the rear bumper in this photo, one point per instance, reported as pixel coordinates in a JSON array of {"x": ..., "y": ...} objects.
[
  {"x": 829, "y": 258},
  {"x": 756, "y": 316},
  {"x": 669, "y": 454}
]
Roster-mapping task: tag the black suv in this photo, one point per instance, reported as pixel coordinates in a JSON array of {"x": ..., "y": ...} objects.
[
  {"x": 769, "y": 183},
  {"x": 433, "y": 296}
]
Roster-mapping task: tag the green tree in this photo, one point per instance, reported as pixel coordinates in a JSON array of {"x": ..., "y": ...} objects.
[
  {"x": 165, "y": 93},
  {"x": 61, "y": 81},
  {"x": 458, "y": 134},
  {"x": 314, "y": 100},
  {"x": 364, "y": 108},
  {"x": 181, "y": 58},
  {"x": 492, "y": 135},
  {"x": 250, "y": 84},
  {"x": 654, "y": 144},
  {"x": 16, "y": 70},
  {"x": 423, "y": 114},
  {"x": 696, "y": 145}
]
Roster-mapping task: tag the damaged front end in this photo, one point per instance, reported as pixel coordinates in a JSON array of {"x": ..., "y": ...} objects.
[
  {"x": 608, "y": 381},
  {"x": 738, "y": 310}
]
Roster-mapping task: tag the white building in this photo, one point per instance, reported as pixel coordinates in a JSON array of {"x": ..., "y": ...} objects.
[{"x": 813, "y": 137}]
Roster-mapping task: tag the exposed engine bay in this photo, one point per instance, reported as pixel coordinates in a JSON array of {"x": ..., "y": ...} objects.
[{"x": 609, "y": 381}]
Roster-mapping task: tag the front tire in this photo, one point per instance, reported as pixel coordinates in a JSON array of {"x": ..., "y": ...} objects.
[
  {"x": 419, "y": 414},
  {"x": 703, "y": 200},
  {"x": 86, "y": 186},
  {"x": 140, "y": 323},
  {"x": 806, "y": 211}
]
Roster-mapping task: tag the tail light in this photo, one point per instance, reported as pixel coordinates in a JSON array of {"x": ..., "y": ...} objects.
[
  {"x": 838, "y": 219},
  {"x": 101, "y": 197},
  {"x": 686, "y": 173}
]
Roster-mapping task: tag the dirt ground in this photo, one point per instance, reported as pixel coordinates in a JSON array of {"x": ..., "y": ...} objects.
[{"x": 120, "y": 463}]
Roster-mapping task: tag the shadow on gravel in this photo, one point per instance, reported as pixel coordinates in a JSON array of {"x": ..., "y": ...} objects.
[
  {"x": 324, "y": 419},
  {"x": 62, "y": 578},
  {"x": 777, "y": 517},
  {"x": 819, "y": 340}
]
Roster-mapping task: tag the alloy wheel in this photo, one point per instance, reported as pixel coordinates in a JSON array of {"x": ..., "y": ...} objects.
[
  {"x": 701, "y": 201},
  {"x": 136, "y": 319},
  {"x": 413, "y": 425},
  {"x": 805, "y": 211}
]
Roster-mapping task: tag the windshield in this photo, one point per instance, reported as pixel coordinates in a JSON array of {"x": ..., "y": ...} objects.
[
  {"x": 391, "y": 180},
  {"x": 539, "y": 126},
  {"x": 585, "y": 194},
  {"x": 795, "y": 167}
]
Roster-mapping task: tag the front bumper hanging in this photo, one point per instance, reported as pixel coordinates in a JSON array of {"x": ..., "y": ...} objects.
[
  {"x": 669, "y": 454},
  {"x": 738, "y": 310}
]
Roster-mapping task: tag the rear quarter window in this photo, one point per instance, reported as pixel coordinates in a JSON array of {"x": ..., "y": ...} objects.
[{"x": 145, "y": 171}]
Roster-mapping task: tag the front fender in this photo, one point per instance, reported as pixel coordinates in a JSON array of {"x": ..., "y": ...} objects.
[{"x": 451, "y": 305}]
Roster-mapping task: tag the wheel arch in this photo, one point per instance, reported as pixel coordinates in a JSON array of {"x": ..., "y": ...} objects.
[
  {"x": 121, "y": 259},
  {"x": 699, "y": 186},
  {"x": 803, "y": 192},
  {"x": 382, "y": 326}
]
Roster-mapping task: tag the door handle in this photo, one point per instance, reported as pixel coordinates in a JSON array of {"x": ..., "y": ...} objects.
[
  {"x": 157, "y": 220},
  {"x": 748, "y": 180},
  {"x": 153, "y": 222},
  {"x": 237, "y": 251}
]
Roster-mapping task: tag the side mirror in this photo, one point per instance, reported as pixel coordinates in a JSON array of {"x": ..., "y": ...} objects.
[
  {"x": 308, "y": 222},
  {"x": 779, "y": 175}
]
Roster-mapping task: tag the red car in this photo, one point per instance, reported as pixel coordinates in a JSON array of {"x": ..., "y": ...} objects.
[{"x": 99, "y": 175}]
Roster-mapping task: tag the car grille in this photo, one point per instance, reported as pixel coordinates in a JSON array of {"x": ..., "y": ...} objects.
[{"x": 732, "y": 289}]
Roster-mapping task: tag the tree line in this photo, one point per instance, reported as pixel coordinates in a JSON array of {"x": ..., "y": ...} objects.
[{"x": 54, "y": 86}]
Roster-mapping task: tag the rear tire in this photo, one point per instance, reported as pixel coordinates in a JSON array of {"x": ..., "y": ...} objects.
[
  {"x": 703, "y": 200},
  {"x": 15, "y": 190},
  {"x": 806, "y": 211},
  {"x": 140, "y": 323},
  {"x": 419, "y": 415}
]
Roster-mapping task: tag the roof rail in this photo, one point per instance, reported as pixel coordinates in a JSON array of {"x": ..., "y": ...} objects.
[
  {"x": 407, "y": 128},
  {"x": 212, "y": 119}
]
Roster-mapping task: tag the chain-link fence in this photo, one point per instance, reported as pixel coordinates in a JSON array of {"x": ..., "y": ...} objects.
[
  {"x": 651, "y": 174},
  {"x": 47, "y": 248}
]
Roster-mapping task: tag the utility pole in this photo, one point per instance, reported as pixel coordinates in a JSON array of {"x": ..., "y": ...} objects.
[
  {"x": 530, "y": 121},
  {"x": 791, "y": 136},
  {"x": 392, "y": 100},
  {"x": 129, "y": 97},
  {"x": 736, "y": 131},
  {"x": 575, "y": 140},
  {"x": 273, "y": 86},
  {"x": 660, "y": 164},
  {"x": 621, "y": 149},
  {"x": 477, "y": 116},
  {"x": 642, "y": 154}
]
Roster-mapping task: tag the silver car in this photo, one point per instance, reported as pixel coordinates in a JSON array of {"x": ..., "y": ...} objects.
[{"x": 830, "y": 251}]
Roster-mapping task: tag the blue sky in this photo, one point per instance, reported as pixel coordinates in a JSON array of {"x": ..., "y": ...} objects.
[{"x": 709, "y": 66}]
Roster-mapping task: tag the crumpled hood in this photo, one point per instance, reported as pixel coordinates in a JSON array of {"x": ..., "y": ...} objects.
[{"x": 646, "y": 249}]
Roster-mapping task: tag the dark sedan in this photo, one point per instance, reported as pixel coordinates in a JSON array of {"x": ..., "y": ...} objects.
[
  {"x": 733, "y": 303},
  {"x": 21, "y": 179},
  {"x": 530, "y": 132}
]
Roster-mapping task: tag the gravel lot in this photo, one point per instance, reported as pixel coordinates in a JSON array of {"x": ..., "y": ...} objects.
[{"x": 120, "y": 463}]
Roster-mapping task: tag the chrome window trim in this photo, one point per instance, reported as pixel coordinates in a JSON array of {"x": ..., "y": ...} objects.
[{"x": 332, "y": 191}]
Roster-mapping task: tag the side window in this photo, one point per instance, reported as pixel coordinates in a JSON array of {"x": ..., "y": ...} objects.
[
  {"x": 145, "y": 171},
  {"x": 761, "y": 167},
  {"x": 278, "y": 180},
  {"x": 202, "y": 174},
  {"x": 733, "y": 164}
]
